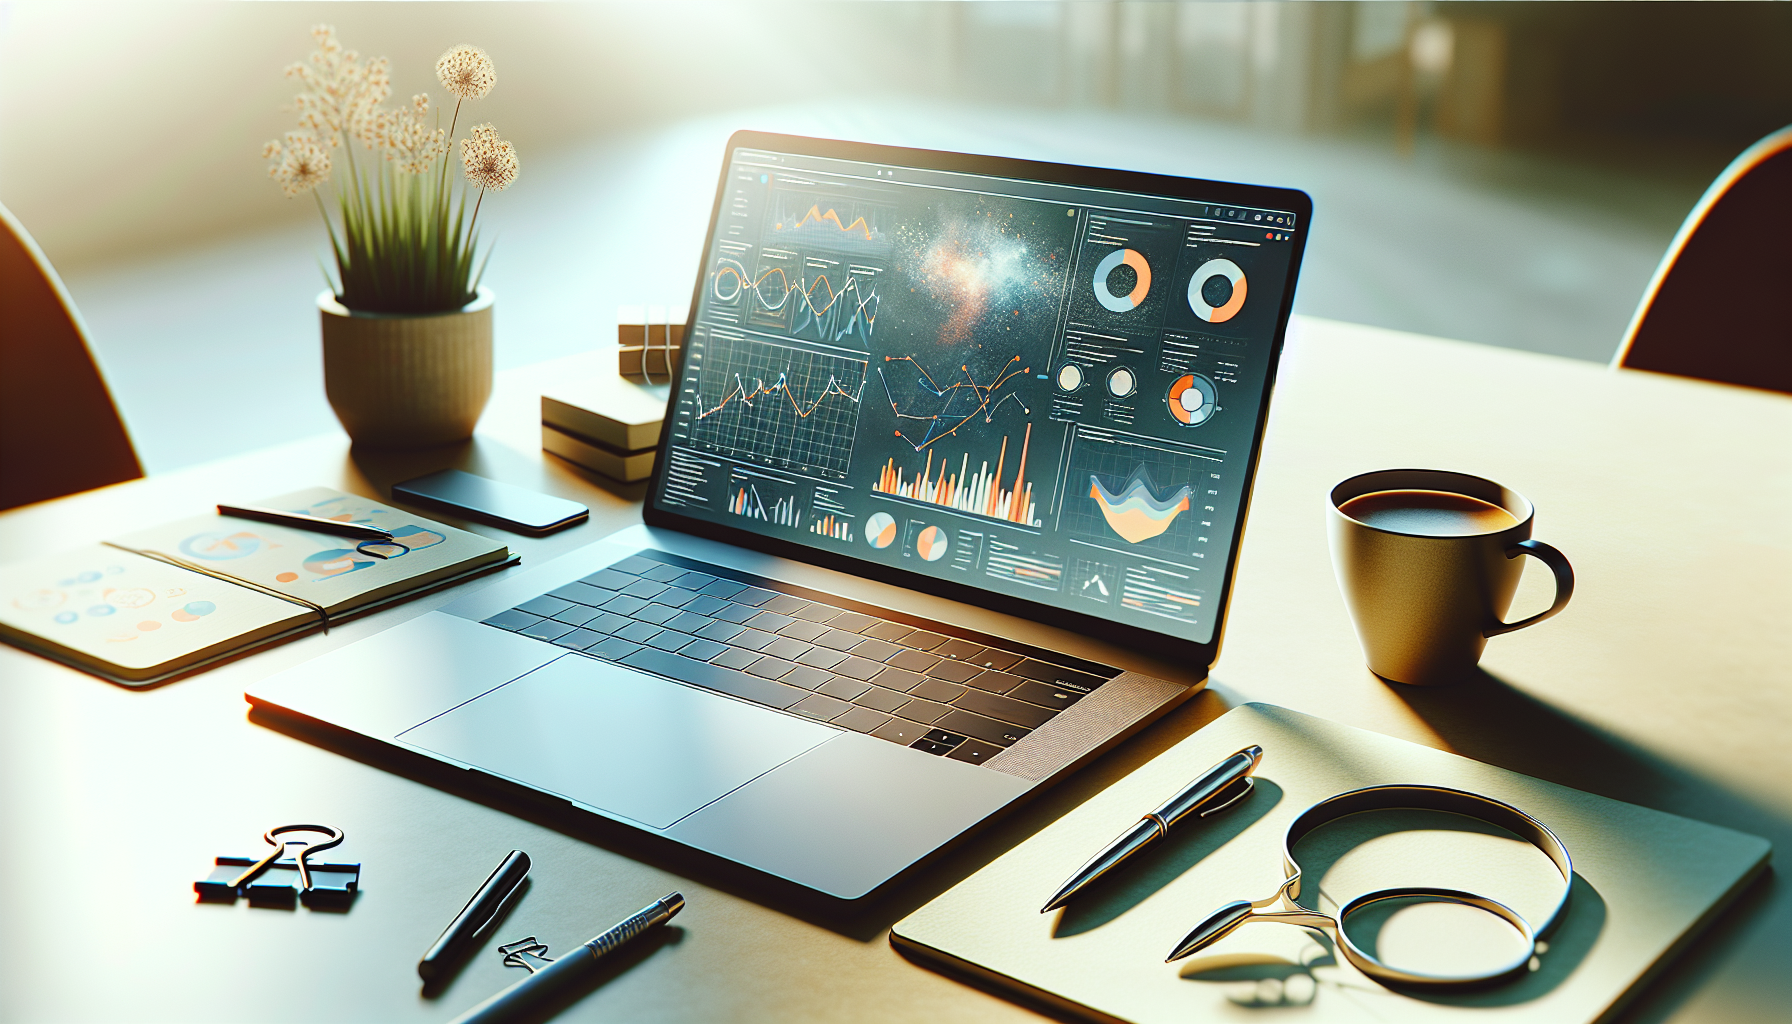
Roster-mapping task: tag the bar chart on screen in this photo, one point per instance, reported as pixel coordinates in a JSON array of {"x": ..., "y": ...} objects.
[{"x": 973, "y": 487}]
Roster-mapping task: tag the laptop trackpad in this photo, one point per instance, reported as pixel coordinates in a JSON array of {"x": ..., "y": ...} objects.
[{"x": 608, "y": 737}]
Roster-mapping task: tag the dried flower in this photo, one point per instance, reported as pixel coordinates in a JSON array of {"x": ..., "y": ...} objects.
[
  {"x": 341, "y": 95},
  {"x": 490, "y": 162},
  {"x": 300, "y": 163},
  {"x": 466, "y": 72},
  {"x": 405, "y": 137}
]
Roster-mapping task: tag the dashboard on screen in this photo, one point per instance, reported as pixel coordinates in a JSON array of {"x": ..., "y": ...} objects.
[{"x": 1045, "y": 391}]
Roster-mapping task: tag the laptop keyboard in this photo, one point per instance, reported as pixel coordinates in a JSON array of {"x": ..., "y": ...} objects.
[{"x": 900, "y": 678}]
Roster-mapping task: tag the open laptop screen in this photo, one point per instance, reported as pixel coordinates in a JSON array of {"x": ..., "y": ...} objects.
[{"x": 1038, "y": 389}]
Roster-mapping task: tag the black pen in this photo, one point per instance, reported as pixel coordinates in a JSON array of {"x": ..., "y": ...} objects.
[
  {"x": 1213, "y": 791},
  {"x": 479, "y": 912},
  {"x": 300, "y": 521},
  {"x": 532, "y": 992}
]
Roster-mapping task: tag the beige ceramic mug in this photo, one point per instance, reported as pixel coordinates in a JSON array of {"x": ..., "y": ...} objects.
[{"x": 1428, "y": 561}]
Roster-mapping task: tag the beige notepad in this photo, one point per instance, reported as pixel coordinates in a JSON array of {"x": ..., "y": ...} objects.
[
  {"x": 1644, "y": 880},
  {"x": 158, "y": 602}
]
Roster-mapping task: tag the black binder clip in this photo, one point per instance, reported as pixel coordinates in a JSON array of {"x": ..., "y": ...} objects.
[{"x": 284, "y": 877}]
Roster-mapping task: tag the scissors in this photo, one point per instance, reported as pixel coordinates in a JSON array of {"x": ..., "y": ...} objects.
[
  {"x": 1238, "y": 913},
  {"x": 249, "y": 873}
]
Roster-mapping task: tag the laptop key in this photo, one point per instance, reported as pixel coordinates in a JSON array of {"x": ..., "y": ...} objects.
[
  {"x": 677, "y": 597},
  {"x": 950, "y": 739},
  {"x": 974, "y": 751},
  {"x": 960, "y": 650},
  {"x": 804, "y": 630},
  {"x": 823, "y": 709},
  {"x": 721, "y": 631},
  {"x": 645, "y": 589},
  {"x": 843, "y": 687},
  {"x": 897, "y": 679},
  {"x": 858, "y": 668},
  {"x": 769, "y": 668},
  {"x": 771, "y": 622},
  {"x": 913, "y": 661},
  {"x": 1005, "y": 709},
  {"x": 689, "y": 622},
  {"x": 1047, "y": 673},
  {"x": 787, "y": 648},
  {"x": 624, "y": 604},
  {"x": 1043, "y": 695},
  {"x": 702, "y": 649},
  {"x": 613, "y": 649},
  {"x": 723, "y": 589},
  {"x": 605, "y": 622},
  {"x": 669, "y": 639},
  {"x": 862, "y": 720},
  {"x": 841, "y": 640},
  {"x": 715, "y": 677},
  {"x": 513, "y": 620},
  {"x": 784, "y": 604},
  {"x": 638, "y": 632},
  {"x": 546, "y": 629},
  {"x": 820, "y": 657},
  {"x": 917, "y": 710},
  {"x": 1000, "y": 733},
  {"x": 817, "y": 613},
  {"x": 922, "y": 640},
  {"x": 807, "y": 678},
  {"x": 928, "y": 746},
  {"x": 694, "y": 580},
  {"x": 577, "y": 615},
  {"x": 1000, "y": 661},
  {"x": 579, "y": 639},
  {"x": 877, "y": 698},
  {"x": 734, "y": 657},
  {"x": 997, "y": 682},
  {"x": 853, "y": 622},
  {"x": 545, "y": 606},
  {"x": 664, "y": 573},
  {"x": 938, "y": 689},
  {"x": 753, "y": 639},
  {"x": 886, "y": 630},
  {"x": 753, "y": 596},
  {"x": 900, "y": 731},
  {"x": 735, "y": 612},
  {"x": 876, "y": 650},
  {"x": 955, "y": 671},
  {"x": 656, "y": 614},
  {"x": 703, "y": 604}
]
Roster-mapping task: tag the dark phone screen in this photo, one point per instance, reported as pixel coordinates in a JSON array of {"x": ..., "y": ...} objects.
[{"x": 489, "y": 499}]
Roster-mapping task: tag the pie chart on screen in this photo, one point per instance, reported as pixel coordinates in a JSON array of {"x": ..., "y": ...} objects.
[
  {"x": 931, "y": 544},
  {"x": 1216, "y": 291},
  {"x": 1112, "y": 262},
  {"x": 880, "y": 530},
  {"x": 1191, "y": 400}
]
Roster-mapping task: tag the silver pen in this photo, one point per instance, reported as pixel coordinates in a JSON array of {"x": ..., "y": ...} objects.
[{"x": 1213, "y": 791}]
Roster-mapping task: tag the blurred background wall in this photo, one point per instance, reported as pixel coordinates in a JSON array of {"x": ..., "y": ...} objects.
[{"x": 1507, "y": 173}]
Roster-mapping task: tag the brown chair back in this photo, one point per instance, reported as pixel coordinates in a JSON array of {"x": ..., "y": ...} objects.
[
  {"x": 59, "y": 432},
  {"x": 1720, "y": 305}
]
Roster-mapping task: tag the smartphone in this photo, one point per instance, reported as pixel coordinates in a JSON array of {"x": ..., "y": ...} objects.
[{"x": 475, "y": 497}]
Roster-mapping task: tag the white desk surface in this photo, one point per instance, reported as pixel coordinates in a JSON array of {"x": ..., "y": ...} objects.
[{"x": 1667, "y": 682}]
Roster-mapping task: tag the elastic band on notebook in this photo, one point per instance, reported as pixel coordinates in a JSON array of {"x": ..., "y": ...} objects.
[{"x": 323, "y": 615}]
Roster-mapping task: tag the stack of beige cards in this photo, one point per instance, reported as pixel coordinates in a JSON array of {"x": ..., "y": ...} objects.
[
  {"x": 150, "y": 605},
  {"x": 1643, "y": 882}
]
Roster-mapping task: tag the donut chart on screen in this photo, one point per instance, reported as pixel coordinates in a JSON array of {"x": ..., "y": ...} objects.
[
  {"x": 1197, "y": 284},
  {"x": 1131, "y": 300},
  {"x": 1191, "y": 400}
]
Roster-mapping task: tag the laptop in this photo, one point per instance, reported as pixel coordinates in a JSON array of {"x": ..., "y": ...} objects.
[{"x": 957, "y": 460}]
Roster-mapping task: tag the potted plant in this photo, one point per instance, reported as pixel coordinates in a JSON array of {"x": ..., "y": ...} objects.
[{"x": 407, "y": 327}]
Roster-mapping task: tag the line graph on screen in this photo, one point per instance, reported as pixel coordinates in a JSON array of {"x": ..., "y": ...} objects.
[
  {"x": 779, "y": 405},
  {"x": 805, "y": 306},
  {"x": 929, "y": 408}
]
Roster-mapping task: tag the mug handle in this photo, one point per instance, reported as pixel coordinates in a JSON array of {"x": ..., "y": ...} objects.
[{"x": 1564, "y": 573}]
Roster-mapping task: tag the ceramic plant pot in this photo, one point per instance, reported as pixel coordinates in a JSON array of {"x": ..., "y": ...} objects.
[{"x": 407, "y": 381}]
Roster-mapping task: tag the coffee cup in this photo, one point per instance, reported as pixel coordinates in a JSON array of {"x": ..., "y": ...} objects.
[{"x": 1428, "y": 561}]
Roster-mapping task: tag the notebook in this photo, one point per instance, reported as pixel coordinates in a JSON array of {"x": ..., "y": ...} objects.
[
  {"x": 147, "y": 606},
  {"x": 1645, "y": 880}
]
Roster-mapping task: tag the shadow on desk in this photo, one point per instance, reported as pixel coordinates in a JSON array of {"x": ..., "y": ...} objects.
[
  {"x": 383, "y": 467},
  {"x": 864, "y": 919},
  {"x": 1491, "y": 720}
]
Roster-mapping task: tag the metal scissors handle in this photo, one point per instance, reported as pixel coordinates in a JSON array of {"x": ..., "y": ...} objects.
[{"x": 248, "y": 875}]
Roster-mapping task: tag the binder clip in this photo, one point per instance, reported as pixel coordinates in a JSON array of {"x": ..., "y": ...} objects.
[{"x": 283, "y": 877}]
